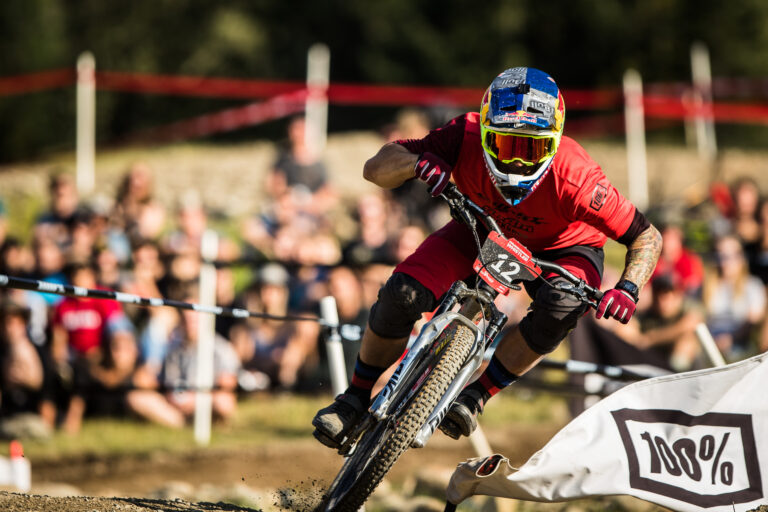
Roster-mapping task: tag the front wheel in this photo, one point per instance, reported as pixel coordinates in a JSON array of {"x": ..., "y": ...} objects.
[{"x": 380, "y": 447}]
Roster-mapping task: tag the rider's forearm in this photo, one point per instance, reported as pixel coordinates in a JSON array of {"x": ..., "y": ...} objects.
[
  {"x": 642, "y": 254},
  {"x": 392, "y": 166}
]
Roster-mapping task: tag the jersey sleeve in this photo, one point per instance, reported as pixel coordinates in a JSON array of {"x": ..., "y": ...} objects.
[
  {"x": 595, "y": 200},
  {"x": 445, "y": 141}
]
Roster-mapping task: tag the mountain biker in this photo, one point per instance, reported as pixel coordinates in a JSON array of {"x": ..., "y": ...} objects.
[{"x": 543, "y": 189}]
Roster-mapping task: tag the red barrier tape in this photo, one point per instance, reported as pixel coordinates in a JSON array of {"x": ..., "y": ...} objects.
[
  {"x": 193, "y": 86},
  {"x": 341, "y": 94},
  {"x": 226, "y": 120},
  {"x": 665, "y": 101},
  {"x": 673, "y": 107},
  {"x": 31, "y": 82}
]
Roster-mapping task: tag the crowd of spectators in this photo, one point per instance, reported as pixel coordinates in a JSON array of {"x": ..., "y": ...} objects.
[
  {"x": 62, "y": 359},
  {"x": 713, "y": 273}
]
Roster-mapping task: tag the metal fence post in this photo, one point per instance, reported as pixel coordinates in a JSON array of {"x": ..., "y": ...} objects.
[
  {"x": 86, "y": 123},
  {"x": 333, "y": 347},
  {"x": 637, "y": 166},
  {"x": 206, "y": 335}
]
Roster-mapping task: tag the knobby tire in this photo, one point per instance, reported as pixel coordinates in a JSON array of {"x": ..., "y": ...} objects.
[{"x": 408, "y": 424}]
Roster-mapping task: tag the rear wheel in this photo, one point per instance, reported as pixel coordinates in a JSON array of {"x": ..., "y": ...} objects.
[{"x": 379, "y": 448}]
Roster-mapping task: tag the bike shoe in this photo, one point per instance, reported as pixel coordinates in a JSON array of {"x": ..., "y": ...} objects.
[
  {"x": 332, "y": 423},
  {"x": 461, "y": 419}
]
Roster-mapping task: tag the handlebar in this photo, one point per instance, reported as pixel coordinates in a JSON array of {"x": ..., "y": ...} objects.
[
  {"x": 467, "y": 212},
  {"x": 588, "y": 294}
]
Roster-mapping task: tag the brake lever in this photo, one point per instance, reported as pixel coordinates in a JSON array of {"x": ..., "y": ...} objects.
[{"x": 583, "y": 291}]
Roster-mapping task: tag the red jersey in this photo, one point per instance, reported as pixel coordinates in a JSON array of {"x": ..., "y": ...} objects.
[
  {"x": 573, "y": 204},
  {"x": 86, "y": 321}
]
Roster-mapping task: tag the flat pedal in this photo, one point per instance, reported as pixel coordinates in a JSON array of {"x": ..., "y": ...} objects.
[{"x": 326, "y": 440}]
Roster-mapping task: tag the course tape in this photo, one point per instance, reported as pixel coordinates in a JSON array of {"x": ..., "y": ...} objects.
[
  {"x": 34, "y": 285},
  {"x": 662, "y": 100},
  {"x": 226, "y": 120},
  {"x": 40, "y": 81}
]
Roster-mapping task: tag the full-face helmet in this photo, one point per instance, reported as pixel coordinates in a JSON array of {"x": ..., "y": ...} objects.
[{"x": 521, "y": 123}]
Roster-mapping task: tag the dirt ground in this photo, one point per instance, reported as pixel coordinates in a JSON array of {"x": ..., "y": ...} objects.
[{"x": 300, "y": 467}]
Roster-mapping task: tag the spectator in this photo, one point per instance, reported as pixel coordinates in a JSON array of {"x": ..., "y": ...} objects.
[
  {"x": 134, "y": 191},
  {"x": 283, "y": 351},
  {"x": 757, "y": 252},
  {"x": 298, "y": 168},
  {"x": 678, "y": 261},
  {"x": 192, "y": 223},
  {"x": 746, "y": 199},
  {"x": 49, "y": 259},
  {"x": 735, "y": 301},
  {"x": 225, "y": 297},
  {"x": 668, "y": 326},
  {"x": 408, "y": 239},
  {"x": 103, "y": 382},
  {"x": 108, "y": 271},
  {"x": 106, "y": 232},
  {"x": 81, "y": 237},
  {"x": 257, "y": 238},
  {"x": 372, "y": 242},
  {"x": 55, "y": 223},
  {"x": 178, "y": 376},
  {"x": 3, "y": 223},
  {"x": 81, "y": 327},
  {"x": 17, "y": 260},
  {"x": 26, "y": 409},
  {"x": 191, "y": 220},
  {"x": 136, "y": 210}
]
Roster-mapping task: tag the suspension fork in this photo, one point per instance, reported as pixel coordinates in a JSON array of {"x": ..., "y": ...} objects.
[{"x": 468, "y": 369}]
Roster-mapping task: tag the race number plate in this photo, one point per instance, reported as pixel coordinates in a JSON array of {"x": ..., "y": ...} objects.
[{"x": 506, "y": 262}]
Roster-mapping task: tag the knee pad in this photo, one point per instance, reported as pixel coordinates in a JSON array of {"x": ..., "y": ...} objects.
[
  {"x": 401, "y": 302},
  {"x": 553, "y": 314}
]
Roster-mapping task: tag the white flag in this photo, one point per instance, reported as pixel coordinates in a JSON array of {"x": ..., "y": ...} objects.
[{"x": 695, "y": 441}]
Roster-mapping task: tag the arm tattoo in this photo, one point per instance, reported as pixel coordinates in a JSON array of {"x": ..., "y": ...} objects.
[{"x": 642, "y": 255}]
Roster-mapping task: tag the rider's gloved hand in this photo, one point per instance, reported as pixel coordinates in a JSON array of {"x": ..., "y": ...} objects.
[
  {"x": 618, "y": 304},
  {"x": 434, "y": 171}
]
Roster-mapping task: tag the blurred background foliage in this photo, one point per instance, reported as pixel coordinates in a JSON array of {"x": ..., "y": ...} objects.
[{"x": 582, "y": 43}]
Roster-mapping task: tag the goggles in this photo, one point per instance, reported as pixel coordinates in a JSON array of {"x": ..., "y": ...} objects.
[{"x": 518, "y": 147}]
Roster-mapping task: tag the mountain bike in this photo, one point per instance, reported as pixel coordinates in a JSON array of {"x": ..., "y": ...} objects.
[{"x": 443, "y": 358}]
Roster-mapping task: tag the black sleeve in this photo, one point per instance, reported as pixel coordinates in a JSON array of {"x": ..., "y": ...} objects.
[{"x": 638, "y": 225}]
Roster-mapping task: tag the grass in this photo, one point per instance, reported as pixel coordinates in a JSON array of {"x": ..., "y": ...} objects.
[{"x": 260, "y": 420}]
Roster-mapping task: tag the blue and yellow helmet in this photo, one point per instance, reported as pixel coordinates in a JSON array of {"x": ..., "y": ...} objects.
[{"x": 521, "y": 123}]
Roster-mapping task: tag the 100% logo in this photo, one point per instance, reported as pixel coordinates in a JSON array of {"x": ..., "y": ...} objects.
[{"x": 684, "y": 456}]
